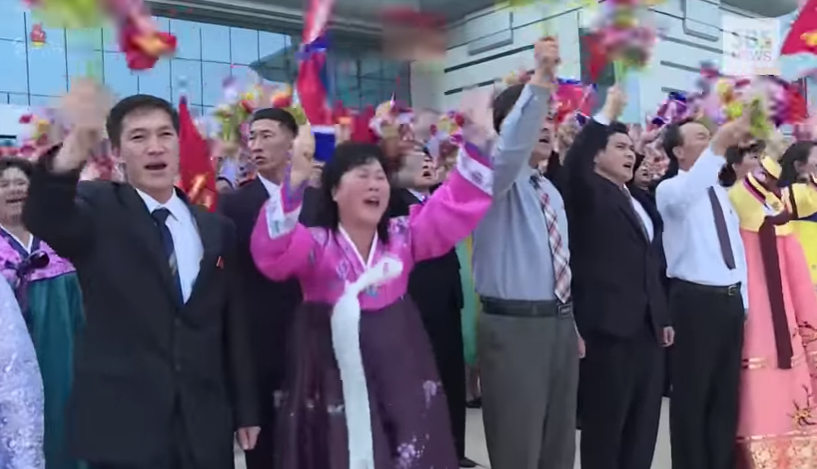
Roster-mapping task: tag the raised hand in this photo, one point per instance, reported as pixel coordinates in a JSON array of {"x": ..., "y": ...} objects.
[
  {"x": 84, "y": 110},
  {"x": 547, "y": 59},
  {"x": 478, "y": 127},
  {"x": 614, "y": 104},
  {"x": 301, "y": 169}
]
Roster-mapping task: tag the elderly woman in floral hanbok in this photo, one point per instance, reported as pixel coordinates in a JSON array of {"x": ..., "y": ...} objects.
[
  {"x": 49, "y": 294},
  {"x": 21, "y": 390}
]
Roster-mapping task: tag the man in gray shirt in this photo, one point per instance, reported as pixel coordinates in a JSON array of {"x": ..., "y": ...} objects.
[{"x": 528, "y": 344}]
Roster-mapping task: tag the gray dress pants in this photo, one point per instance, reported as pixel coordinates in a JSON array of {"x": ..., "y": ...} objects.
[{"x": 529, "y": 364}]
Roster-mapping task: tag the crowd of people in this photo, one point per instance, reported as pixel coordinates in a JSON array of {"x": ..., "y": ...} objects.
[{"x": 336, "y": 315}]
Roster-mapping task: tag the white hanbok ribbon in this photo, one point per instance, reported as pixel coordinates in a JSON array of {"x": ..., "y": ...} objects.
[{"x": 346, "y": 344}]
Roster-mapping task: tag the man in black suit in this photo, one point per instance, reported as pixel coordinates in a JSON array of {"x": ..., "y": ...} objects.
[
  {"x": 620, "y": 303},
  {"x": 163, "y": 376},
  {"x": 270, "y": 304},
  {"x": 435, "y": 287}
]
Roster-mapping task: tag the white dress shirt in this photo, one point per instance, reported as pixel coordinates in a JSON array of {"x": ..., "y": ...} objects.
[
  {"x": 186, "y": 239},
  {"x": 274, "y": 190},
  {"x": 642, "y": 215},
  {"x": 690, "y": 236}
]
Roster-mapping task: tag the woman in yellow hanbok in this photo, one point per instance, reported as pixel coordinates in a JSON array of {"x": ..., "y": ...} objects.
[
  {"x": 778, "y": 424},
  {"x": 800, "y": 168}
]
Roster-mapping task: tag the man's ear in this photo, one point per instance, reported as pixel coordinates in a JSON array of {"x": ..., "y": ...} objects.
[{"x": 676, "y": 152}]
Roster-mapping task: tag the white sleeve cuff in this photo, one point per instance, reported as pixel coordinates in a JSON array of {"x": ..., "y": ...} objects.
[
  {"x": 601, "y": 119},
  {"x": 476, "y": 168},
  {"x": 280, "y": 223}
]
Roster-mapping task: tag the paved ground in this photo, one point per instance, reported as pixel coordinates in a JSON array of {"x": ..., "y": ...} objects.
[{"x": 475, "y": 446}]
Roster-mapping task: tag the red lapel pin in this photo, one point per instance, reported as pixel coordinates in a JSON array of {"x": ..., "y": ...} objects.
[{"x": 220, "y": 262}]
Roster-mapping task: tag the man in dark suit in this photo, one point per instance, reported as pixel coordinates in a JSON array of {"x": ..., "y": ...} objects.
[
  {"x": 163, "y": 376},
  {"x": 620, "y": 303},
  {"x": 435, "y": 287},
  {"x": 270, "y": 304}
]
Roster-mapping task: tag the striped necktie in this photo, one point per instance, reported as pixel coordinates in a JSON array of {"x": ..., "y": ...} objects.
[
  {"x": 160, "y": 216},
  {"x": 558, "y": 251}
]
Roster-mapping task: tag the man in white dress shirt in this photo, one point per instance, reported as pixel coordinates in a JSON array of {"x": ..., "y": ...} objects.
[{"x": 708, "y": 300}]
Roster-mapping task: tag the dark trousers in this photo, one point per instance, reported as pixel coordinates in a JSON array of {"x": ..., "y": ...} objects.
[
  {"x": 178, "y": 454},
  {"x": 444, "y": 331},
  {"x": 263, "y": 455},
  {"x": 620, "y": 390},
  {"x": 706, "y": 366}
]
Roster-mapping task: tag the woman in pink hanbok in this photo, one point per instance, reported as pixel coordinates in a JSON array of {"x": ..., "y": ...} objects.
[
  {"x": 362, "y": 391},
  {"x": 777, "y": 428}
]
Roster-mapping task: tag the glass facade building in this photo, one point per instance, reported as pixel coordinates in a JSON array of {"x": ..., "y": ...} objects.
[{"x": 34, "y": 74}]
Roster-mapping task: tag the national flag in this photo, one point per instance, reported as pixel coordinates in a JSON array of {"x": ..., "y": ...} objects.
[{"x": 197, "y": 176}]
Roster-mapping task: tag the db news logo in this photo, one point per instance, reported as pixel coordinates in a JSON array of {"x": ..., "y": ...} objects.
[{"x": 750, "y": 46}]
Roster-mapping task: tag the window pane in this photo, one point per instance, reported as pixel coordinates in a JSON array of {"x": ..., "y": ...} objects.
[
  {"x": 43, "y": 101},
  {"x": 370, "y": 67},
  {"x": 109, "y": 40},
  {"x": 13, "y": 25},
  {"x": 118, "y": 76},
  {"x": 4, "y": 98},
  {"x": 84, "y": 39},
  {"x": 371, "y": 92},
  {"x": 243, "y": 46},
  {"x": 18, "y": 99},
  {"x": 188, "y": 72},
  {"x": 83, "y": 62},
  {"x": 156, "y": 81},
  {"x": 271, "y": 43},
  {"x": 213, "y": 76},
  {"x": 188, "y": 35},
  {"x": 14, "y": 78},
  {"x": 47, "y": 67},
  {"x": 215, "y": 43}
]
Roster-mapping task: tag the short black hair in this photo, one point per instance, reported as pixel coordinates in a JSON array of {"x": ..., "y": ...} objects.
[
  {"x": 136, "y": 102},
  {"x": 347, "y": 156},
  {"x": 504, "y": 103},
  {"x": 281, "y": 116},
  {"x": 615, "y": 127},
  {"x": 672, "y": 139},
  {"x": 24, "y": 165},
  {"x": 797, "y": 152}
]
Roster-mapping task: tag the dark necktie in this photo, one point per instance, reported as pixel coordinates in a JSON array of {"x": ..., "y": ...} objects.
[
  {"x": 160, "y": 217},
  {"x": 635, "y": 212},
  {"x": 720, "y": 227}
]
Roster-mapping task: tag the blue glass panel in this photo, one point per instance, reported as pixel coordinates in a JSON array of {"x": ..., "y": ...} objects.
[
  {"x": 14, "y": 78},
  {"x": 18, "y": 99},
  {"x": 156, "y": 81},
  {"x": 243, "y": 46},
  {"x": 83, "y": 39},
  {"x": 110, "y": 42},
  {"x": 188, "y": 72},
  {"x": 47, "y": 70},
  {"x": 13, "y": 25},
  {"x": 118, "y": 77},
  {"x": 215, "y": 43},
  {"x": 43, "y": 101},
  {"x": 271, "y": 44},
  {"x": 213, "y": 76},
  {"x": 370, "y": 67},
  {"x": 371, "y": 92},
  {"x": 4, "y": 98},
  {"x": 82, "y": 62},
  {"x": 188, "y": 34}
]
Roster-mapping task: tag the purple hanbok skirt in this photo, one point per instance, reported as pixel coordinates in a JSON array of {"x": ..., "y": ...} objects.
[{"x": 410, "y": 426}]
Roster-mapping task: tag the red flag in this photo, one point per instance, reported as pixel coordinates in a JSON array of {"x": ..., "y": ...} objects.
[
  {"x": 197, "y": 176},
  {"x": 802, "y": 37}
]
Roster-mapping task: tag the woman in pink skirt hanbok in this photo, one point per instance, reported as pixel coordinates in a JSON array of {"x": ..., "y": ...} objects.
[
  {"x": 362, "y": 390},
  {"x": 778, "y": 421}
]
